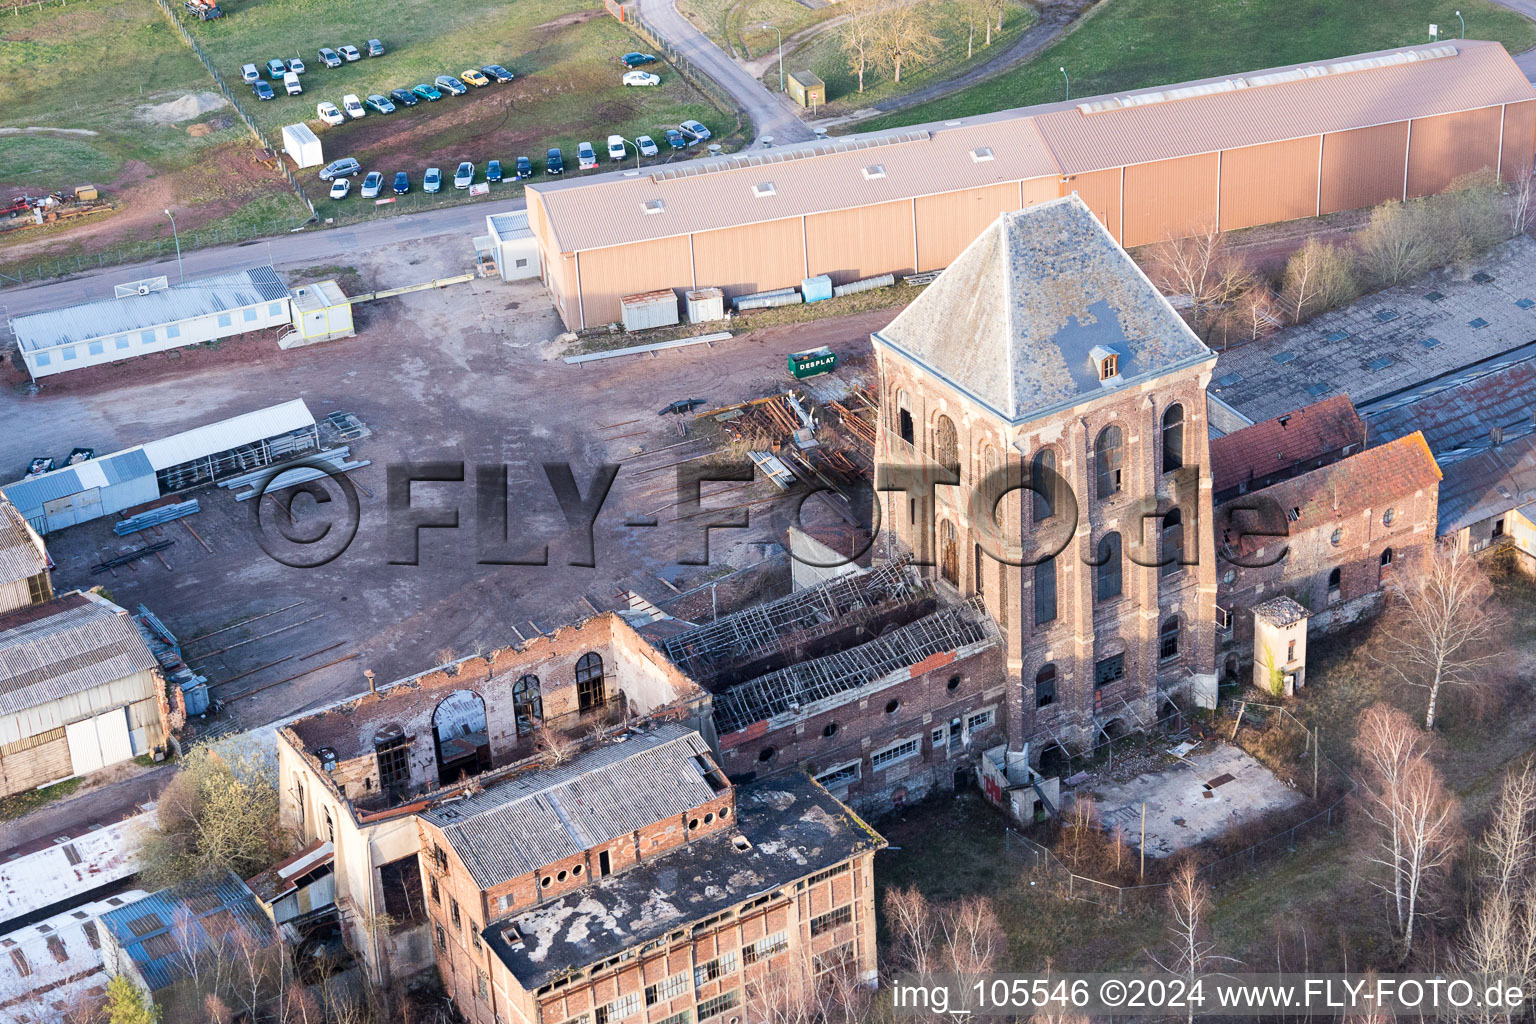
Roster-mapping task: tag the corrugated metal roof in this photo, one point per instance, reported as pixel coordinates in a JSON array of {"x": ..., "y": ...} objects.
[
  {"x": 30, "y": 493},
  {"x": 1486, "y": 484},
  {"x": 126, "y": 465},
  {"x": 22, "y": 554},
  {"x": 36, "y": 881},
  {"x": 163, "y": 931},
  {"x": 1459, "y": 413},
  {"x": 70, "y": 644},
  {"x": 520, "y": 825},
  {"x": 1031, "y": 142},
  {"x": 509, "y": 225},
  {"x": 1015, "y": 318},
  {"x": 104, "y": 317},
  {"x": 226, "y": 434},
  {"x": 1475, "y": 74}
]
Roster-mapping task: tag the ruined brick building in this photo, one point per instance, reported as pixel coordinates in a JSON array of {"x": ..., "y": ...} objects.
[{"x": 1043, "y": 357}]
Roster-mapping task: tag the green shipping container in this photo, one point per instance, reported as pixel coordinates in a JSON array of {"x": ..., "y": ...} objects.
[{"x": 809, "y": 364}]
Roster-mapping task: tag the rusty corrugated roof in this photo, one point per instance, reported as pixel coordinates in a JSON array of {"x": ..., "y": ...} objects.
[{"x": 1031, "y": 142}]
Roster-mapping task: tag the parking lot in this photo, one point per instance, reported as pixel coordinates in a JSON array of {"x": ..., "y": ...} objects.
[{"x": 463, "y": 373}]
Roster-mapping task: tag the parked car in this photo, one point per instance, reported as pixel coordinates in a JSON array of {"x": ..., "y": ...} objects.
[
  {"x": 474, "y": 78},
  {"x": 343, "y": 168},
  {"x": 263, "y": 91},
  {"x": 328, "y": 113},
  {"x": 427, "y": 93},
  {"x": 634, "y": 60},
  {"x": 432, "y": 180},
  {"x": 296, "y": 65},
  {"x": 352, "y": 105},
  {"x": 493, "y": 171},
  {"x": 350, "y": 52},
  {"x": 451, "y": 84},
  {"x": 641, "y": 78},
  {"x": 276, "y": 69},
  {"x": 675, "y": 138},
  {"x": 291, "y": 83},
  {"x": 554, "y": 163},
  {"x": 616, "y": 148},
  {"x": 404, "y": 97},
  {"x": 694, "y": 132},
  {"x": 464, "y": 176},
  {"x": 329, "y": 57},
  {"x": 250, "y": 74},
  {"x": 402, "y": 183},
  {"x": 646, "y": 144},
  {"x": 340, "y": 187},
  {"x": 381, "y": 104},
  {"x": 586, "y": 157},
  {"x": 375, "y": 48},
  {"x": 497, "y": 72},
  {"x": 372, "y": 183},
  {"x": 524, "y": 168}
]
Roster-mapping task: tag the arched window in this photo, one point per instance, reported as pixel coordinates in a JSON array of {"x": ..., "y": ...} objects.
[
  {"x": 1173, "y": 438},
  {"x": 1045, "y": 686},
  {"x": 949, "y": 557},
  {"x": 1042, "y": 482},
  {"x": 1108, "y": 569},
  {"x": 946, "y": 445},
  {"x": 1386, "y": 557},
  {"x": 1045, "y": 591},
  {"x": 589, "y": 682},
  {"x": 1108, "y": 459},
  {"x": 527, "y": 703},
  {"x": 1172, "y": 556},
  {"x": 463, "y": 736},
  {"x": 904, "y": 418},
  {"x": 1335, "y": 581},
  {"x": 1168, "y": 639}
]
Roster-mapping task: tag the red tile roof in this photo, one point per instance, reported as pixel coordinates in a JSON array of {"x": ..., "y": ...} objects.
[
  {"x": 1260, "y": 450},
  {"x": 1370, "y": 480}
]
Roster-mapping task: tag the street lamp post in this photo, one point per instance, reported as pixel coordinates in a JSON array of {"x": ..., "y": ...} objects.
[
  {"x": 1463, "y": 24},
  {"x": 1069, "y": 81},
  {"x": 637, "y": 151},
  {"x": 781, "y": 54},
  {"x": 176, "y": 235}
]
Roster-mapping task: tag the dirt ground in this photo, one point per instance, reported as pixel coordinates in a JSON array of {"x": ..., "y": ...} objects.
[{"x": 469, "y": 373}]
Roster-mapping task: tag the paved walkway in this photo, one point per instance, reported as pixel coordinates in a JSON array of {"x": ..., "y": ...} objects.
[{"x": 1526, "y": 60}]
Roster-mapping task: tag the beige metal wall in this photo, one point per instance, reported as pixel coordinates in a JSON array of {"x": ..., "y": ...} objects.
[
  {"x": 1263, "y": 184},
  {"x": 948, "y": 223},
  {"x": 749, "y": 259},
  {"x": 1169, "y": 198},
  {"x": 863, "y": 242},
  {"x": 1363, "y": 167},
  {"x": 611, "y": 273},
  {"x": 1100, "y": 190},
  {"x": 1442, "y": 149},
  {"x": 1519, "y": 141}
]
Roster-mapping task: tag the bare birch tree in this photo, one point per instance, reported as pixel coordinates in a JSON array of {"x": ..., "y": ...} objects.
[
  {"x": 1395, "y": 246},
  {"x": 910, "y": 922},
  {"x": 1500, "y": 936},
  {"x": 1521, "y": 194},
  {"x": 859, "y": 32},
  {"x": 1416, "y": 816},
  {"x": 977, "y": 12},
  {"x": 1191, "y": 952},
  {"x": 905, "y": 36},
  {"x": 1446, "y": 628},
  {"x": 1317, "y": 277},
  {"x": 1203, "y": 267}
]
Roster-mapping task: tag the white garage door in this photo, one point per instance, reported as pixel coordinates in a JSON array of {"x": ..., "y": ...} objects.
[{"x": 99, "y": 742}]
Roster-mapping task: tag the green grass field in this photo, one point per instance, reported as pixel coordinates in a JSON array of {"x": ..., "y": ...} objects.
[
  {"x": 739, "y": 24},
  {"x": 1131, "y": 44},
  {"x": 824, "y": 55}
]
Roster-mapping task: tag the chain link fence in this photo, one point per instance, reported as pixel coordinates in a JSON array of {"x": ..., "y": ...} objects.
[
  {"x": 690, "y": 71},
  {"x": 138, "y": 252}
]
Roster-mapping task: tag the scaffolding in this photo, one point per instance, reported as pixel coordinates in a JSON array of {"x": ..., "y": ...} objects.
[
  {"x": 707, "y": 651},
  {"x": 791, "y": 689}
]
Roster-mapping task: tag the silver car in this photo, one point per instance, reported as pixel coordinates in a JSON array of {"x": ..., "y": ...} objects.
[{"x": 464, "y": 176}]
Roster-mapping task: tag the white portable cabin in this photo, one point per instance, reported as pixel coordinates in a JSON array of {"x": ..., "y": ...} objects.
[
  {"x": 517, "y": 251},
  {"x": 321, "y": 312},
  {"x": 300, "y": 143}
]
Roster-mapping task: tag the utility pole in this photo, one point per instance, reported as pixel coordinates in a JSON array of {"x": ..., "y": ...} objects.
[
  {"x": 1143, "y": 840},
  {"x": 781, "y": 53},
  {"x": 176, "y": 235},
  {"x": 1315, "y": 756}
]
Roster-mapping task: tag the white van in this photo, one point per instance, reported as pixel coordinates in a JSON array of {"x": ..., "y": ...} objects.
[{"x": 291, "y": 83}]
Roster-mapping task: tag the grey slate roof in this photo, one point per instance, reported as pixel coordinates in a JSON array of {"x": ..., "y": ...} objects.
[
  {"x": 1013, "y": 319},
  {"x": 67, "y": 645},
  {"x": 1281, "y": 611},
  {"x": 21, "y": 556},
  {"x": 1487, "y": 483},
  {"x": 103, "y": 317},
  {"x": 794, "y": 826},
  {"x": 520, "y": 825}
]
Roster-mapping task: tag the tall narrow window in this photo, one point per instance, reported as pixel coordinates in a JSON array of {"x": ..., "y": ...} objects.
[
  {"x": 949, "y": 556},
  {"x": 389, "y": 746},
  {"x": 1045, "y": 686},
  {"x": 1108, "y": 570},
  {"x": 1172, "y": 555},
  {"x": 1168, "y": 639},
  {"x": 981, "y": 571},
  {"x": 1042, "y": 477},
  {"x": 946, "y": 445},
  {"x": 1386, "y": 557},
  {"x": 1173, "y": 438},
  {"x": 527, "y": 704},
  {"x": 905, "y": 422},
  {"x": 1045, "y": 591},
  {"x": 1335, "y": 580},
  {"x": 1108, "y": 460},
  {"x": 589, "y": 682}
]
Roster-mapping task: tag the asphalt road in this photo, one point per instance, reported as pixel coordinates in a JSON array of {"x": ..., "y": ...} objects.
[
  {"x": 313, "y": 246},
  {"x": 772, "y": 117}
]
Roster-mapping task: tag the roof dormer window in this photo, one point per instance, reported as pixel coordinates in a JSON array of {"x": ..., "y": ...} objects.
[{"x": 1107, "y": 362}]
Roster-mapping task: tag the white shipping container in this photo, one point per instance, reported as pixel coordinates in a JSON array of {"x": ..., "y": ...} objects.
[
  {"x": 302, "y": 145},
  {"x": 705, "y": 304},
  {"x": 649, "y": 309}
]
